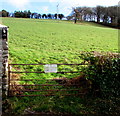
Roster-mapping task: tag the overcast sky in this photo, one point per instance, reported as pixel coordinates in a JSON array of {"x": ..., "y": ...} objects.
[{"x": 50, "y": 6}]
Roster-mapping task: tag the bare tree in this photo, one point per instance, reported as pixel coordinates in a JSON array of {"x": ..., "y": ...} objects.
[
  {"x": 112, "y": 12},
  {"x": 101, "y": 14},
  {"x": 77, "y": 14},
  {"x": 98, "y": 12}
]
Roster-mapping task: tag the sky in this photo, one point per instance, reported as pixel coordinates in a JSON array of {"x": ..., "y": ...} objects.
[{"x": 50, "y": 6}]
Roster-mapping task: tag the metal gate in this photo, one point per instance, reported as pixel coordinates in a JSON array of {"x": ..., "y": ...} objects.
[{"x": 21, "y": 81}]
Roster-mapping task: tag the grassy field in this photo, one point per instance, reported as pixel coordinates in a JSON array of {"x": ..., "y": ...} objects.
[{"x": 52, "y": 41}]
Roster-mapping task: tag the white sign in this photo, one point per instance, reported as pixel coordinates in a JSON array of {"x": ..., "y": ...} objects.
[{"x": 50, "y": 68}]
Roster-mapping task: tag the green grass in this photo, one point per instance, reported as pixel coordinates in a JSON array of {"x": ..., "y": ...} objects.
[{"x": 51, "y": 41}]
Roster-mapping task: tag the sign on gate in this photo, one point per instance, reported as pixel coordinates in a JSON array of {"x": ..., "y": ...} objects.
[{"x": 50, "y": 68}]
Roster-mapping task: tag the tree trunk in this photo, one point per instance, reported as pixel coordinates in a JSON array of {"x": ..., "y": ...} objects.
[
  {"x": 75, "y": 20},
  {"x": 98, "y": 19}
]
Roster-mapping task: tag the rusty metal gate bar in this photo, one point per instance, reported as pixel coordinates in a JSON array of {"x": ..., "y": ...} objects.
[{"x": 28, "y": 90}]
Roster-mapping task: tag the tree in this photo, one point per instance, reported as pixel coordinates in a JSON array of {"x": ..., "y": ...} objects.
[
  {"x": 5, "y": 13},
  {"x": 55, "y": 16},
  {"x": 49, "y": 16},
  {"x": 39, "y": 16},
  {"x": 24, "y": 14},
  {"x": 44, "y": 16},
  {"x": 98, "y": 12},
  {"x": 17, "y": 14},
  {"x": 78, "y": 13},
  {"x": 90, "y": 14},
  {"x": 35, "y": 15},
  {"x": 32, "y": 15},
  {"x": 28, "y": 14},
  {"x": 60, "y": 16},
  {"x": 104, "y": 14},
  {"x": 112, "y": 12},
  {"x": 21, "y": 14},
  {"x": 82, "y": 13}
]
